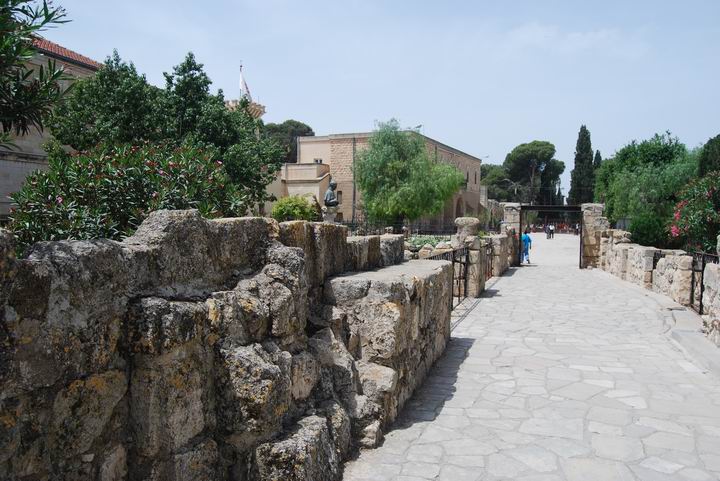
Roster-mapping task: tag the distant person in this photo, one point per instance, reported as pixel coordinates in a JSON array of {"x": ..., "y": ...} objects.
[
  {"x": 527, "y": 245},
  {"x": 577, "y": 229},
  {"x": 547, "y": 231},
  {"x": 552, "y": 231}
]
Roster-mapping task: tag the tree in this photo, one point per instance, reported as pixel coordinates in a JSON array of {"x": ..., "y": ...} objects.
[
  {"x": 26, "y": 96},
  {"x": 116, "y": 105},
  {"x": 187, "y": 89},
  {"x": 640, "y": 183},
  {"x": 495, "y": 177},
  {"x": 709, "y": 160},
  {"x": 397, "y": 178},
  {"x": 582, "y": 178},
  {"x": 286, "y": 135},
  {"x": 550, "y": 182},
  {"x": 525, "y": 164},
  {"x": 596, "y": 163}
]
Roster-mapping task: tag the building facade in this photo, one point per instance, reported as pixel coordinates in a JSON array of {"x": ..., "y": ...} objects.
[
  {"x": 28, "y": 154},
  {"x": 338, "y": 152}
]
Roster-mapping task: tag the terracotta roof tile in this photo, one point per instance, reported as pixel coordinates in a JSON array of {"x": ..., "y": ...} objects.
[{"x": 54, "y": 50}]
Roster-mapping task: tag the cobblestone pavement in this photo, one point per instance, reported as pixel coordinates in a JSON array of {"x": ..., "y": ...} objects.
[{"x": 557, "y": 374}]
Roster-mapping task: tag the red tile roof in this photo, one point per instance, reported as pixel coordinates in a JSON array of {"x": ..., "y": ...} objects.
[{"x": 61, "y": 53}]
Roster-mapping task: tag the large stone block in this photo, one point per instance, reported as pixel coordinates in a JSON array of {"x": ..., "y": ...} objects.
[
  {"x": 391, "y": 249},
  {"x": 399, "y": 317},
  {"x": 82, "y": 411},
  {"x": 171, "y": 385},
  {"x": 306, "y": 453},
  {"x": 324, "y": 246},
  {"x": 254, "y": 391},
  {"x": 363, "y": 253},
  {"x": 178, "y": 253}
]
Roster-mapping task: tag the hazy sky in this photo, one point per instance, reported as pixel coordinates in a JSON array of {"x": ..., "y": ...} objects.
[{"x": 480, "y": 76}]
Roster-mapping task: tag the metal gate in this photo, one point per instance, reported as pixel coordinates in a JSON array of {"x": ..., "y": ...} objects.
[
  {"x": 549, "y": 209},
  {"x": 460, "y": 259}
]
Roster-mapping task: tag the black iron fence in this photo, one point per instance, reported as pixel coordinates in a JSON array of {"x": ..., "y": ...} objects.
[
  {"x": 697, "y": 282},
  {"x": 460, "y": 259},
  {"x": 488, "y": 261}
]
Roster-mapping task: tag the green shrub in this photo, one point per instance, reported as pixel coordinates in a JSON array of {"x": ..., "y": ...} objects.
[
  {"x": 294, "y": 207},
  {"x": 108, "y": 191},
  {"x": 421, "y": 240},
  {"x": 696, "y": 220}
]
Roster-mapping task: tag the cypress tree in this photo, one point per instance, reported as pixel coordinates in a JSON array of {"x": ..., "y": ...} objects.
[
  {"x": 582, "y": 176},
  {"x": 709, "y": 160},
  {"x": 597, "y": 160}
]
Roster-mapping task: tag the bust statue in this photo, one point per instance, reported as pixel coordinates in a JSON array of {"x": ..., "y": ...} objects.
[{"x": 331, "y": 199}]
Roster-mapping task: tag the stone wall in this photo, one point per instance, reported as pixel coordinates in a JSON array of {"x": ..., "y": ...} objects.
[
  {"x": 672, "y": 277},
  {"x": 639, "y": 269},
  {"x": 208, "y": 350},
  {"x": 711, "y": 302},
  {"x": 593, "y": 226}
]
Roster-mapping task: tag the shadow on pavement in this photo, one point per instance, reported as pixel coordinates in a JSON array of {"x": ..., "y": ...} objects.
[{"x": 438, "y": 387}]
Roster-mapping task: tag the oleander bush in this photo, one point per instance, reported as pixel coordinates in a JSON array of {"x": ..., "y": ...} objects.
[
  {"x": 696, "y": 220},
  {"x": 107, "y": 192}
]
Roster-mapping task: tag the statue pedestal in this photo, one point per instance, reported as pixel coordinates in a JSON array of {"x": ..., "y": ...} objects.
[{"x": 329, "y": 214}]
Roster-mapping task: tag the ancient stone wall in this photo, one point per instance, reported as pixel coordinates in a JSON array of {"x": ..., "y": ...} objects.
[
  {"x": 639, "y": 268},
  {"x": 672, "y": 277},
  {"x": 208, "y": 350},
  {"x": 593, "y": 226}
]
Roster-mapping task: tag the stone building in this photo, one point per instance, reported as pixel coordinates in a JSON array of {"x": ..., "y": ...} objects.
[
  {"x": 320, "y": 157},
  {"x": 28, "y": 155}
]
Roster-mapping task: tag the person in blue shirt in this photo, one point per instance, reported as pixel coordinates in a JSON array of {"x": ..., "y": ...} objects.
[{"x": 527, "y": 245}]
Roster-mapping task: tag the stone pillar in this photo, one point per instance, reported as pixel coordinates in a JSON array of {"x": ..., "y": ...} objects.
[
  {"x": 593, "y": 226},
  {"x": 511, "y": 216},
  {"x": 466, "y": 226},
  {"x": 475, "y": 276}
]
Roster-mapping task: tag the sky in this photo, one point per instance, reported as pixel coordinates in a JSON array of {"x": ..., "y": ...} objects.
[{"x": 481, "y": 76}]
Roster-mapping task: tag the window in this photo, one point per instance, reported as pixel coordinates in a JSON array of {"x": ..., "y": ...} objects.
[
  {"x": 318, "y": 161},
  {"x": 467, "y": 177},
  {"x": 339, "y": 196},
  {"x": 476, "y": 177}
]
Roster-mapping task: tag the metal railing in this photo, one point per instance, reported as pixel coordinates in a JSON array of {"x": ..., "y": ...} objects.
[
  {"x": 460, "y": 259},
  {"x": 488, "y": 261},
  {"x": 697, "y": 280}
]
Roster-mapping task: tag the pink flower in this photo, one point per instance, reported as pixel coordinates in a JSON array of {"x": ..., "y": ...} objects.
[
  {"x": 674, "y": 231},
  {"x": 677, "y": 215},
  {"x": 161, "y": 172},
  {"x": 59, "y": 199}
]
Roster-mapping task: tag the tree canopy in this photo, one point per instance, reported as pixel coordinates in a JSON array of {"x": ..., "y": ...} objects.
[
  {"x": 27, "y": 96},
  {"x": 397, "y": 178},
  {"x": 532, "y": 173},
  {"x": 286, "y": 134},
  {"x": 640, "y": 183},
  {"x": 119, "y": 106},
  {"x": 709, "y": 159}
]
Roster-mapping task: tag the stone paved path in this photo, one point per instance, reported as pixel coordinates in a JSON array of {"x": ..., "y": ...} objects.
[{"x": 559, "y": 374}]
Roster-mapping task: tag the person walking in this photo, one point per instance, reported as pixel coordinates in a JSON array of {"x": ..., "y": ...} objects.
[
  {"x": 552, "y": 231},
  {"x": 527, "y": 245}
]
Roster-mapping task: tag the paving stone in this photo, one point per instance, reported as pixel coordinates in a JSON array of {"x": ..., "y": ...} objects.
[
  {"x": 584, "y": 385},
  {"x": 617, "y": 447}
]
